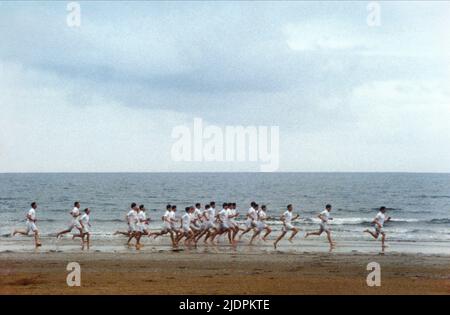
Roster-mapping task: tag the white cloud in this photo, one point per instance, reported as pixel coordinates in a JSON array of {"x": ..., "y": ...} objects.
[{"x": 44, "y": 129}]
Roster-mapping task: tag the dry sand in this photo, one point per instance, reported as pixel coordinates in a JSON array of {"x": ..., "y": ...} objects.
[{"x": 168, "y": 272}]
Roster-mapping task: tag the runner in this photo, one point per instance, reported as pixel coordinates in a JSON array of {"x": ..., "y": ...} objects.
[
  {"x": 287, "y": 219},
  {"x": 74, "y": 223},
  {"x": 379, "y": 222},
  {"x": 31, "y": 225},
  {"x": 324, "y": 217}
]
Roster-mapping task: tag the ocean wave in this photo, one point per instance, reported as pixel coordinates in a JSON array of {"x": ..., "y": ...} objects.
[
  {"x": 357, "y": 221},
  {"x": 432, "y": 197},
  {"x": 439, "y": 221}
]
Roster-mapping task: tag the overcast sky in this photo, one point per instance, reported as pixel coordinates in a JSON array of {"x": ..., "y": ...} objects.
[{"x": 106, "y": 96}]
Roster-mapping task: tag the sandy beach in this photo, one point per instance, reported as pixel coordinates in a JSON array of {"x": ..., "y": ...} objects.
[{"x": 184, "y": 272}]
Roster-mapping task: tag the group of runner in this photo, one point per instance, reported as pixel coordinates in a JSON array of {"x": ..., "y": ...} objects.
[{"x": 197, "y": 223}]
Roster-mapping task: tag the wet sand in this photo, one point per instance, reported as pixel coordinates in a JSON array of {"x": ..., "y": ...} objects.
[{"x": 183, "y": 272}]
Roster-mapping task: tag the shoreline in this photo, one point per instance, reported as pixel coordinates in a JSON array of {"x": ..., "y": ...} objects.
[
  {"x": 184, "y": 272},
  {"x": 299, "y": 245}
]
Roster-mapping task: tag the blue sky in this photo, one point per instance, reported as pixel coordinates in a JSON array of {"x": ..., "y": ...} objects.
[{"x": 105, "y": 96}]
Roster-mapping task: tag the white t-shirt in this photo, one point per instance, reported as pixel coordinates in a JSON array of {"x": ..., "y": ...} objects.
[
  {"x": 84, "y": 219},
  {"x": 186, "y": 220},
  {"x": 166, "y": 216},
  {"x": 230, "y": 213},
  {"x": 211, "y": 213},
  {"x": 262, "y": 215},
  {"x": 172, "y": 217},
  {"x": 141, "y": 217},
  {"x": 197, "y": 214},
  {"x": 252, "y": 213},
  {"x": 287, "y": 217},
  {"x": 223, "y": 215},
  {"x": 75, "y": 212},
  {"x": 325, "y": 215},
  {"x": 132, "y": 216},
  {"x": 32, "y": 215},
  {"x": 381, "y": 217}
]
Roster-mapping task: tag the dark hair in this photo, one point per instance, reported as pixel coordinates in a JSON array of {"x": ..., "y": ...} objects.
[
  {"x": 382, "y": 208},
  {"x": 253, "y": 204},
  {"x": 141, "y": 207},
  {"x": 289, "y": 206},
  {"x": 133, "y": 204},
  {"x": 229, "y": 204},
  {"x": 263, "y": 207},
  {"x": 174, "y": 207},
  {"x": 198, "y": 204},
  {"x": 33, "y": 204},
  {"x": 168, "y": 207},
  {"x": 234, "y": 204},
  {"x": 187, "y": 209},
  {"x": 212, "y": 203},
  {"x": 328, "y": 206},
  {"x": 85, "y": 210},
  {"x": 225, "y": 204},
  {"x": 75, "y": 203},
  {"x": 207, "y": 206}
]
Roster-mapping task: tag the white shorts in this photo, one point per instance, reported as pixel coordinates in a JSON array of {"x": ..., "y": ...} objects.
[
  {"x": 232, "y": 223},
  {"x": 209, "y": 225},
  {"x": 74, "y": 224},
  {"x": 261, "y": 226},
  {"x": 224, "y": 226},
  {"x": 132, "y": 227},
  {"x": 196, "y": 227},
  {"x": 86, "y": 229},
  {"x": 165, "y": 226},
  {"x": 31, "y": 226},
  {"x": 249, "y": 224},
  {"x": 324, "y": 227},
  {"x": 174, "y": 228},
  {"x": 287, "y": 227},
  {"x": 186, "y": 229},
  {"x": 379, "y": 230},
  {"x": 141, "y": 228}
]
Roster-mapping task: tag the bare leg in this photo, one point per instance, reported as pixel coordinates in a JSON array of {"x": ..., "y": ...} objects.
[
  {"x": 132, "y": 234},
  {"x": 138, "y": 239},
  {"x": 199, "y": 236},
  {"x": 123, "y": 233},
  {"x": 37, "y": 242},
  {"x": 278, "y": 239},
  {"x": 329, "y": 238},
  {"x": 178, "y": 239},
  {"x": 245, "y": 232},
  {"x": 255, "y": 234},
  {"x": 213, "y": 235},
  {"x": 374, "y": 235},
  {"x": 294, "y": 232},
  {"x": 313, "y": 233},
  {"x": 23, "y": 232},
  {"x": 235, "y": 232},
  {"x": 63, "y": 232},
  {"x": 268, "y": 231}
]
